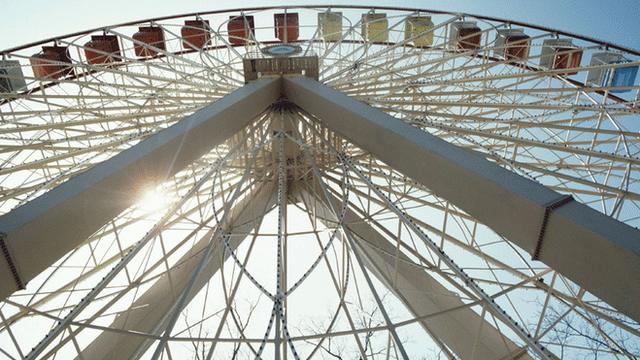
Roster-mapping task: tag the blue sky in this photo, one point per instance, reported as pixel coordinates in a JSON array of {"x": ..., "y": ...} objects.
[{"x": 25, "y": 21}]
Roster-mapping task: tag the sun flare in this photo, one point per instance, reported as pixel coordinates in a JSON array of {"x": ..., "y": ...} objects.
[{"x": 153, "y": 200}]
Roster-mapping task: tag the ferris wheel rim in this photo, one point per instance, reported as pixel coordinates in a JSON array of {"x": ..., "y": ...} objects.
[
  {"x": 76, "y": 76},
  {"x": 600, "y": 42}
]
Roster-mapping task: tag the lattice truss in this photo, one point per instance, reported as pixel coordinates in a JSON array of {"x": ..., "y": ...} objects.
[{"x": 286, "y": 240}]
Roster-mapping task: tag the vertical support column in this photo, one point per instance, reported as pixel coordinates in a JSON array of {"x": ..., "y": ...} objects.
[{"x": 282, "y": 213}]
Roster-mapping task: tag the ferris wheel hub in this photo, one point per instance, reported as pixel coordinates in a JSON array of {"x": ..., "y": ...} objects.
[
  {"x": 255, "y": 68},
  {"x": 281, "y": 50}
]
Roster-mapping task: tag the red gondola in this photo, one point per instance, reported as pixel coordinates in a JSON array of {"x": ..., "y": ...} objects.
[
  {"x": 465, "y": 35},
  {"x": 516, "y": 47},
  {"x": 51, "y": 63},
  {"x": 240, "y": 28},
  {"x": 100, "y": 44},
  {"x": 286, "y": 26},
  {"x": 152, "y": 36},
  {"x": 567, "y": 58},
  {"x": 195, "y": 34}
]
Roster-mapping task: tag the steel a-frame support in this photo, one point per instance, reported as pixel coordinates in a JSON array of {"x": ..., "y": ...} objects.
[
  {"x": 149, "y": 313},
  {"x": 598, "y": 252},
  {"x": 37, "y": 234}
]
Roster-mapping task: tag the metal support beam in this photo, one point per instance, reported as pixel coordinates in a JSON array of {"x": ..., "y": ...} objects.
[
  {"x": 40, "y": 232},
  {"x": 421, "y": 293},
  {"x": 149, "y": 313},
  {"x": 598, "y": 252}
]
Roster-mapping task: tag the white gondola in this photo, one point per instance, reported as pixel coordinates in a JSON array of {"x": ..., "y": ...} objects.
[
  {"x": 621, "y": 76},
  {"x": 11, "y": 77},
  {"x": 419, "y": 29},
  {"x": 330, "y": 25},
  {"x": 375, "y": 27}
]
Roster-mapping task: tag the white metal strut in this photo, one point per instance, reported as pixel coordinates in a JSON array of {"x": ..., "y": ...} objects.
[
  {"x": 40, "y": 232},
  {"x": 594, "y": 250}
]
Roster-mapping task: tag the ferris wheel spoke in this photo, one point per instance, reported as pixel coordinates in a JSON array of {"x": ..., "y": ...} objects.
[
  {"x": 331, "y": 209},
  {"x": 141, "y": 87},
  {"x": 371, "y": 58},
  {"x": 566, "y": 179},
  {"x": 229, "y": 80},
  {"x": 155, "y": 72},
  {"x": 540, "y": 105},
  {"x": 336, "y": 45},
  {"x": 373, "y": 72},
  {"x": 341, "y": 288},
  {"x": 177, "y": 59},
  {"x": 379, "y": 194},
  {"x": 558, "y": 147},
  {"x": 86, "y": 116},
  {"x": 433, "y": 203},
  {"x": 230, "y": 297},
  {"x": 139, "y": 79},
  {"x": 474, "y": 249},
  {"x": 567, "y": 144},
  {"x": 435, "y": 62},
  {"x": 535, "y": 276},
  {"x": 108, "y": 119},
  {"x": 190, "y": 281},
  {"x": 369, "y": 237},
  {"x": 528, "y": 75},
  {"x": 121, "y": 265},
  {"x": 462, "y": 78},
  {"x": 600, "y": 190},
  {"x": 568, "y": 126}
]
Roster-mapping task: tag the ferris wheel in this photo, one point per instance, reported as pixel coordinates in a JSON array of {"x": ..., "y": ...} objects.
[{"x": 337, "y": 182}]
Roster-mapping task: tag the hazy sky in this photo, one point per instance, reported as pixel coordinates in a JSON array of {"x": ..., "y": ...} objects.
[{"x": 25, "y": 21}]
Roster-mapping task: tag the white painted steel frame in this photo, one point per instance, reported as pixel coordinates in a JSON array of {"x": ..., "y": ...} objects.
[
  {"x": 419, "y": 291},
  {"x": 397, "y": 78},
  {"x": 460, "y": 347},
  {"x": 40, "y": 232},
  {"x": 598, "y": 252}
]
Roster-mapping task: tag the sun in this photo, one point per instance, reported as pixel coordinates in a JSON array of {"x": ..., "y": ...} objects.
[{"x": 153, "y": 200}]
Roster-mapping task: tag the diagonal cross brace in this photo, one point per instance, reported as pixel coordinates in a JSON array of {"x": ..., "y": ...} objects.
[
  {"x": 599, "y": 253},
  {"x": 149, "y": 312},
  {"x": 420, "y": 292}
]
